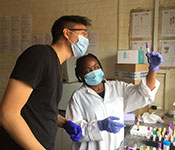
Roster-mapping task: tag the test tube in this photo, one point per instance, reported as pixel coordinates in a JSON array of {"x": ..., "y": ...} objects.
[
  {"x": 148, "y": 136},
  {"x": 141, "y": 147},
  {"x": 154, "y": 136},
  {"x": 166, "y": 145},
  {"x": 160, "y": 137},
  {"x": 128, "y": 147},
  {"x": 147, "y": 48},
  {"x": 160, "y": 130},
  {"x": 171, "y": 139},
  {"x": 135, "y": 147},
  {"x": 174, "y": 142},
  {"x": 137, "y": 124},
  {"x": 159, "y": 146}
]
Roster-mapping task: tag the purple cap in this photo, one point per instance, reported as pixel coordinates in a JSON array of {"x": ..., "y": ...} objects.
[
  {"x": 168, "y": 131},
  {"x": 147, "y": 45},
  {"x": 148, "y": 127},
  {"x": 170, "y": 125},
  {"x": 128, "y": 147},
  {"x": 160, "y": 144}
]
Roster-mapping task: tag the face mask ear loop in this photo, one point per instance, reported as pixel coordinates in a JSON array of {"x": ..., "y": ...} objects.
[{"x": 74, "y": 34}]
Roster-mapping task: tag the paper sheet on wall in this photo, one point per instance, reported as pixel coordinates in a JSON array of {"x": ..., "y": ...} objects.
[
  {"x": 168, "y": 23},
  {"x": 48, "y": 38},
  {"x": 41, "y": 38},
  {"x": 26, "y": 31},
  {"x": 141, "y": 45},
  {"x": 168, "y": 53},
  {"x": 141, "y": 24},
  {"x": 38, "y": 38},
  {"x": 5, "y": 34},
  {"x": 93, "y": 42},
  {"x": 15, "y": 35}
]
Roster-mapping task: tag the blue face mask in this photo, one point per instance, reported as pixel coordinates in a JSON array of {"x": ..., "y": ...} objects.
[
  {"x": 80, "y": 47},
  {"x": 94, "y": 77}
]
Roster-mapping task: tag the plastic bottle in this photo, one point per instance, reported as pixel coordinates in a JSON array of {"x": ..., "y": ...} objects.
[{"x": 166, "y": 145}]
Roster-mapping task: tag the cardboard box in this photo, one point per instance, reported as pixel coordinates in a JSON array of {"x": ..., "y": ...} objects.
[
  {"x": 131, "y": 67},
  {"x": 140, "y": 111},
  {"x": 129, "y": 80},
  {"x": 130, "y": 57},
  {"x": 130, "y": 73}
]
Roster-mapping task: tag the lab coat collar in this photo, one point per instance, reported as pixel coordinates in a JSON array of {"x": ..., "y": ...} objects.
[{"x": 107, "y": 90}]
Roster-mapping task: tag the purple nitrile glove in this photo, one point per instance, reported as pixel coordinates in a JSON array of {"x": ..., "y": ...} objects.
[
  {"x": 110, "y": 125},
  {"x": 154, "y": 60},
  {"x": 73, "y": 130}
]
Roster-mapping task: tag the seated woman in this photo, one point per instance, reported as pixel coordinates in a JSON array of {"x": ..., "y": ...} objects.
[{"x": 99, "y": 105}]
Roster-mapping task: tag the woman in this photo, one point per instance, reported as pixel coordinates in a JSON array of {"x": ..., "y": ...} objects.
[{"x": 99, "y": 105}]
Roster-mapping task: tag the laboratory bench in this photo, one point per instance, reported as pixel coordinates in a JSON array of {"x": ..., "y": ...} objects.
[
  {"x": 131, "y": 140},
  {"x": 63, "y": 140}
]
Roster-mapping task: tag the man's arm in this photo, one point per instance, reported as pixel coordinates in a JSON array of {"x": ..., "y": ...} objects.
[
  {"x": 15, "y": 97},
  {"x": 71, "y": 128},
  {"x": 61, "y": 121}
]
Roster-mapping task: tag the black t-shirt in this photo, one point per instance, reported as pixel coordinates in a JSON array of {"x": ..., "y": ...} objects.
[{"x": 39, "y": 66}]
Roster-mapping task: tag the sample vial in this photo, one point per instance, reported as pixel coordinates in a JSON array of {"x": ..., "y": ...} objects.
[
  {"x": 137, "y": 124},
  {"x": 166, "y": 145},
  {"x": 159, "y": 146},
  {"x": 148, "y": 136},
  {"x": 154, "y": 136}
]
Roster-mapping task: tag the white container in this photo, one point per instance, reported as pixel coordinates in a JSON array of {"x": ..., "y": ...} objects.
[{"x": 130, "y": 57}]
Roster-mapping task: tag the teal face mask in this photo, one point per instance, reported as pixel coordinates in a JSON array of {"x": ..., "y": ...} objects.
[{"x": 94, "y": 77}]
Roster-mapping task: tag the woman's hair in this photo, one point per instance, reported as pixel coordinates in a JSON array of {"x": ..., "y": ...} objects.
[
  {"x": 80, "y": 63},
  {"x": 67, "y": 22}
]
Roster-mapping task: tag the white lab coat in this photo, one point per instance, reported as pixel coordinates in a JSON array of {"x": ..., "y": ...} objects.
[{"x": 86, "y": 107}]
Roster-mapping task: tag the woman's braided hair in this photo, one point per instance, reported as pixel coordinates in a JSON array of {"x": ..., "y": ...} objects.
[{"x": 79, "y": 65}]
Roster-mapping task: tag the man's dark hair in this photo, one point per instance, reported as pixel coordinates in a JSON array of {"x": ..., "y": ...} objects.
[
  {"x": 79, "y": 64},
  {"x": 67, "y": 22}
]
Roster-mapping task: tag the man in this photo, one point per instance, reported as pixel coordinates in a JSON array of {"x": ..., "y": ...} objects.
[{"x": 29, "y": 108}]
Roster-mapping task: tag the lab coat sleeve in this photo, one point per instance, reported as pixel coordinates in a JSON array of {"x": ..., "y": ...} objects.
[
  {"x": 138, "y": 96},
  {"x": 90, "y": 130}
]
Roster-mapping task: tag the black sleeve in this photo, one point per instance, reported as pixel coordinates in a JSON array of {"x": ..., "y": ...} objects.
[{"x": 31, "y": 65}]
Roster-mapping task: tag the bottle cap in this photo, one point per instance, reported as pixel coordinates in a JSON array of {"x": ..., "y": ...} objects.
[
  {"x": 160, "y": 144},
  {"x": 128, "y": 147},
  {"x": 147, "y": 45},
  {"x": 166, "y": 142}
]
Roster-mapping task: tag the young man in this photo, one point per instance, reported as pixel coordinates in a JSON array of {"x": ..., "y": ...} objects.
[{"x": 29, "y": 109}]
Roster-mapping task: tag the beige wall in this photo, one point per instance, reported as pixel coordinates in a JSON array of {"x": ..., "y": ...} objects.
[
  {"x": 44, "y": 12},
  {"x": 103, "y": 14},
  {"x": 124, "y": 14}
]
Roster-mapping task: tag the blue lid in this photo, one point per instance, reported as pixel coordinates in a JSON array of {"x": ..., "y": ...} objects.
[{"x": 166, "y": 142}]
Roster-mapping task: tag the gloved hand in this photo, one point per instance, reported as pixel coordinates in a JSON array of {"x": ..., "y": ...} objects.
[
  {"x": 110, "y": 125},
  {"x": 73, "y": 130},
  {"x": 154, "y": 60}
]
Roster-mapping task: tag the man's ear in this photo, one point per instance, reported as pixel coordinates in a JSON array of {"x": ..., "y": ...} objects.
[{"x": 66, "y": 33}]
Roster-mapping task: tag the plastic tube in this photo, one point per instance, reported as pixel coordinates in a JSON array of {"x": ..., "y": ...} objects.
[{"x": 166, "y": 145}]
